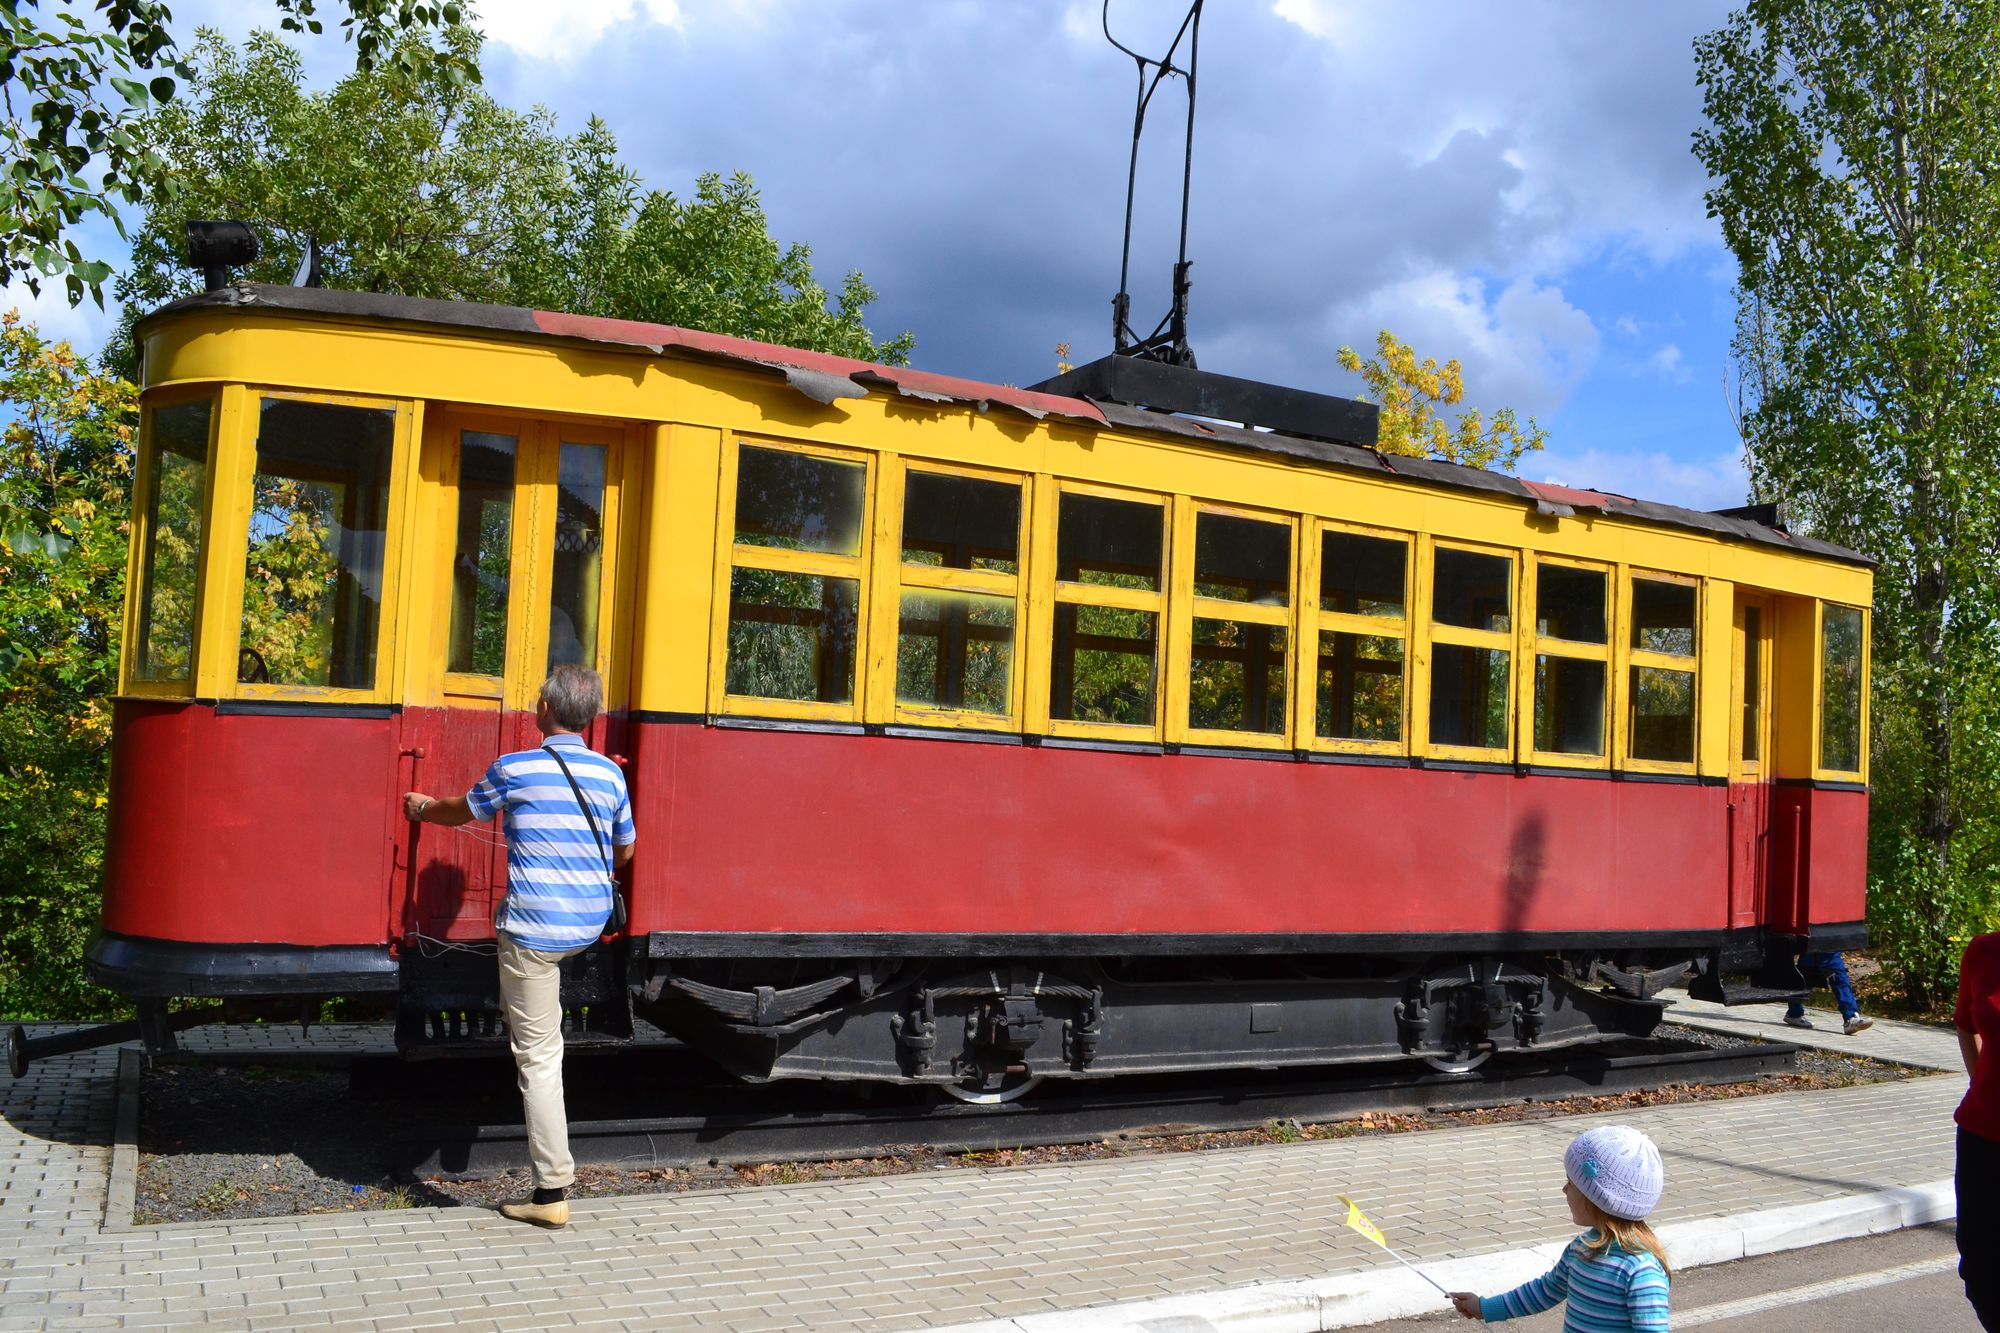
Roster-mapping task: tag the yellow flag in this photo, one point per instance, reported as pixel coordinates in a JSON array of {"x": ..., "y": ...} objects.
[{"x": 1359, "y": 1221}]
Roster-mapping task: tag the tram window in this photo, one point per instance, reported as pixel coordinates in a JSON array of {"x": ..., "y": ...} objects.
[
  {"x": 799, "y": 502},
  {"x": 1663, "y": 617},
  {"x": 1360, "y": 694},
  {"x": 791, "y": 636},
  {"x": 483, "y": 556},
  {"x": 1362, "y": 575},
  {"x": 1753, "y": 682},
  {"x": 1242, "y": 560},
  {"x": 961, "y": 522},
  {"x": 1840, "y": 690},
  {"x": 1111, "y": 543},
  {"x": 1236, "y": 678},
  {"x": 1569, "y": 604},
  {"x": 1569, "y": 705},
  {"x": 955, "y": 650},
  {"x": 1662, "y": 715},
  {"x": 312, "y": 582},
  {"x": 1104, "y": 665},
  {"x": 1469, "y": 695},
  {"x": 578, "y": 572},
  {"x": 170, "y": 563},
  {"x": 1472, "y": 590}
]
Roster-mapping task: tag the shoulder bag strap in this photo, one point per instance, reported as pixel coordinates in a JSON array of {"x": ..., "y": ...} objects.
[{"x": 583, "y": 805}]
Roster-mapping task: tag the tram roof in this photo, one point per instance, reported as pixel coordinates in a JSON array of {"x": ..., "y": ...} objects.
[{"x": 826, "y": 378}]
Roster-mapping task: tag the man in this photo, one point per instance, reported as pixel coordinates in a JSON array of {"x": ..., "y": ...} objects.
[
  {"x": 1833, "y": 969},
  {"x": 560, "y": 858}
]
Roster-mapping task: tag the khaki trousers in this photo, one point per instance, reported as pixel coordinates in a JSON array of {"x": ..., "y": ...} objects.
[{"x": 531, "y": 995}]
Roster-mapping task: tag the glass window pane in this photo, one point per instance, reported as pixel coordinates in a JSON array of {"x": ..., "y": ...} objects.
[
  {"x": 1242, "y": 560},
  {"x": 1469, "y": 696},
  {"x": 1663, "y": 617},
  {"x": 483, "y": 558},
  {"x": 312, "y": 579},
  {"x": 1840, "y": 690},
  {"x": 1663, "y": 715},
  {"x": 1360, "y": 687},
  {"x": 1104, "y": 666},
  {"x": 170, "y": 565},
  {"x": 1236, "y": 680},
  {"x": 1569, "y": 706},
  {"x": 791, "y": 636},
  {"x": 1362, "y": 576},
  {"x": 961, "y": 522},
  {"x": 1472, "y": 590},
  {"x": 579, "y": 558},
  {"x": 798, "y": 502},
  {"x": 1569, "y": 604},
  {"x": 956, "y": 650},
  {"x": 1753, "y": 682},
  {"x": 1113, "y": 543}
]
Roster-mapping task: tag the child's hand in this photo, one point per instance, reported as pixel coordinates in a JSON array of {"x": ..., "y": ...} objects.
[{"x": 1467, "y": 1303}]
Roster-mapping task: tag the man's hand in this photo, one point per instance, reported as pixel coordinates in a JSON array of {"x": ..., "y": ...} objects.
[
  {"x": 1467, "y": 1303},
  {"x": 414, "y": 805}
]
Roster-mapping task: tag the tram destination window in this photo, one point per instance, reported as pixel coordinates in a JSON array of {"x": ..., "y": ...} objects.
[
  {"x": 578, "y": 573},
  {"x": 483, "y": 554},
  {"x": 313, "y": 568},
  {"x": 1840, "y": 690},
  {"x": 791, "y": 636},
  {"x": 170, "y": 562},
  {"x": 799, "y": 502}
]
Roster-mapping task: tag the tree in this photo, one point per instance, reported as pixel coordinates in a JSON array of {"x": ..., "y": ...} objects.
[
  {"x": 417, "y": 183},
  {"x": 1853, "y": 146},
  {"x": 72, "y": 109},
  {"x": 1410, "y": 394},
  {"x": 65, "y": 478}
]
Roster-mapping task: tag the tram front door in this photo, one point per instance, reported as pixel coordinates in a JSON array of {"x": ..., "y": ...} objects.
[
  {"x": 523, "y": 523},
  {"x": 1749, "y": 757}
]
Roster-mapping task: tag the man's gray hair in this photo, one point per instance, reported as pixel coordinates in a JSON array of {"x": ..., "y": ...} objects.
[{"x": 574, "y": 695}]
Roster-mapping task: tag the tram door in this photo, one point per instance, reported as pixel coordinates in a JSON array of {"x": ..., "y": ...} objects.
[
  {"x": 1750, "y": 756},
  {"x": 526, "y": 523}
]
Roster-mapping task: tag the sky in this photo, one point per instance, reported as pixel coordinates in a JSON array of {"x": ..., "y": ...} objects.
[{"x": 1510, "y": 185}]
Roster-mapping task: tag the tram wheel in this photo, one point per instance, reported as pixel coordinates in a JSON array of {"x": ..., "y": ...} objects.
[
  {"x": 1457, "y": 1064},
  {"x": 1008, "y": 1091}
]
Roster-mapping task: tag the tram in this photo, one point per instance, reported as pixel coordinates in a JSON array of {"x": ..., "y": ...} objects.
[{"x": 976, "y": 734}]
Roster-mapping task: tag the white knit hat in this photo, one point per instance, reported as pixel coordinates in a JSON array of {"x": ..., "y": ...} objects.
[{"x": 1618, "y": 1169}]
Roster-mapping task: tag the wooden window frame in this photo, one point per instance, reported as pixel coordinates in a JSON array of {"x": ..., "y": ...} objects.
[
  {"x": 1313, "y": 621},
  {"x": 893, "y": 577},
  {"x": 1820, "y": 772},
  {"x": 1047, "y": 593},
  {"x": 142, "y": 479},
  {"x": 239, "y": 454},
  {"x": 1535, "y": 645},
  {"x": 1507, "y": 640},
  {"x": 858, "y": 567},
  {"x": 1187, "y": 607},
  {"x": 1628, "y": 657}
]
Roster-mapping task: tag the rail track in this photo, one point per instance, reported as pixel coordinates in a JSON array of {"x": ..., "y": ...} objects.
[{"x": 663, "y": 1112}]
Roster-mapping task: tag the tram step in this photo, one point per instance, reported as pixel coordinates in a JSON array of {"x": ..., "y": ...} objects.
[{"x": 1735, "y": 995}]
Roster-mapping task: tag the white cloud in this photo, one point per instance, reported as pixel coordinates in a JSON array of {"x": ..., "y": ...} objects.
[
  {"x": 1715, "y": 481},
  {"x": 85, "y": 326},
  {"x": 1668, "y": 362},
  {"x": 562, "y": 32}
]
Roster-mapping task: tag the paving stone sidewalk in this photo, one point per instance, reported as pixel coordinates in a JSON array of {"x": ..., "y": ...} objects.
[{"x": 899, "y": 1252}]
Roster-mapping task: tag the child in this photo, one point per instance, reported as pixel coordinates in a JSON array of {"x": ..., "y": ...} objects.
[{"x": 1614, "y": 1275}]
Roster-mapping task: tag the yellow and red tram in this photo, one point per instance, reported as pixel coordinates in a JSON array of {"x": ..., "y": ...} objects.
[{"x": 973, "y": 732}]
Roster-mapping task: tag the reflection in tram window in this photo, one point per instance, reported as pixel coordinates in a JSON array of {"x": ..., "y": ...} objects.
[
  {"x": 1569, "y": 705},
  {"x": 1236, "y": 677},
  {"x": 1662, "y": 715},
  {"x": 798, "y": 502},
  {"x": 1469, "y": 695},
  {"x": 1569, "y": 603},
  {"x": 170, "y": 562},
  {"x": 791, "y": 636},
  {"x": 961, "y": 522},
  {"x": 1110, "y": 543},
  {"x": 483, "y": 554},
  {"x": 579, "y": 554},
  {"x": 1362, "y": 575},
  {"x": 1472, "y": 590},
  {"x": 1360, "y": 686},
  {"x": 1663, "y": 617},
  {"x": 955, "y": 650},
  {"x": 312, "y": 576},
  {"x": 1242, "y": 560},
  {"x": 1840, "y": 690},
  {"x": 1104, "y": 667}
]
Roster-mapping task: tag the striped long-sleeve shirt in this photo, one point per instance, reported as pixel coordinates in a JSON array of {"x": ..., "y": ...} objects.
[
  {"x": 558, "y": 884},
  {"x": 1609, "y": 1291}
]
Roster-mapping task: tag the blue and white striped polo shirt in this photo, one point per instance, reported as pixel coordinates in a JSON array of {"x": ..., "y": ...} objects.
[{"x": 558, "y": 891}]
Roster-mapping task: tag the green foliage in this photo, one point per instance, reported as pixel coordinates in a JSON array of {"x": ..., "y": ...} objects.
[
  {"x": 1851, "y": 146},
  {"x": 71, "y": 139},
  {"x": 1409, "y": 394},
  {"x": 65, "y": 474},
  {"x": 418, "y": 184}
]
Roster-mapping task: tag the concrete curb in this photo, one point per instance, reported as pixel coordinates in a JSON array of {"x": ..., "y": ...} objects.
[
  {"x": 1348, "y": 1300},
  {"x": 121, "y": 1190}
]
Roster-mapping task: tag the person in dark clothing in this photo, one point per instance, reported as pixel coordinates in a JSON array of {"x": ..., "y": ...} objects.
[{"x": 1977, "y": 1178}]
